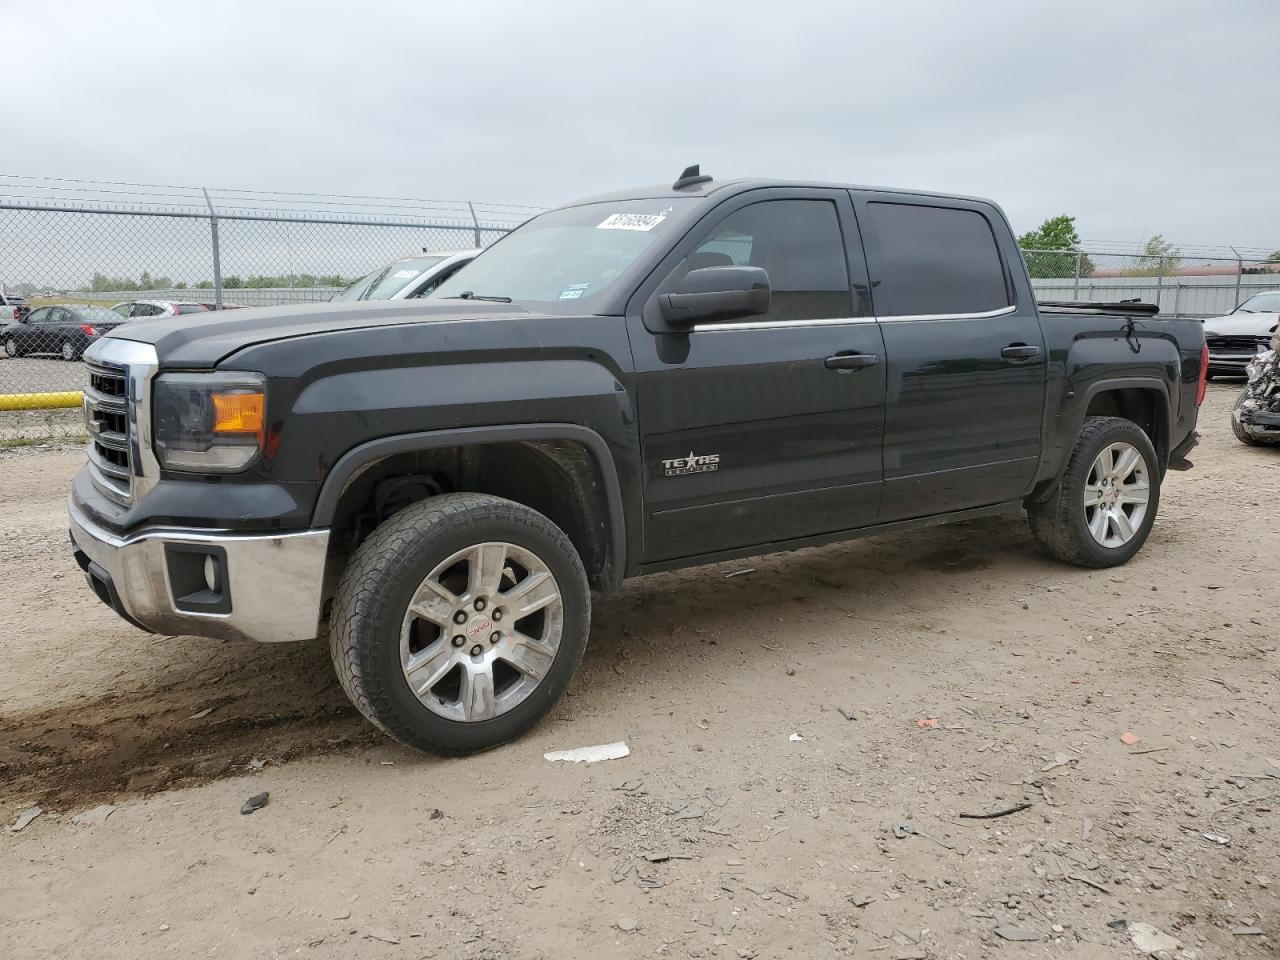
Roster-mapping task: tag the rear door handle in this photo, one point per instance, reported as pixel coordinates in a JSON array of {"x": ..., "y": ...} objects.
[
  {"x": 851, "y": 361},
  {"x": 1019, "y": 351}
]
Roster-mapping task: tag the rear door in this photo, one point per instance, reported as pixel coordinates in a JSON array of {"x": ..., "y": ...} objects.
[
  {"x": 754, "y": 431},
  {"x": 966, "y": 358}
]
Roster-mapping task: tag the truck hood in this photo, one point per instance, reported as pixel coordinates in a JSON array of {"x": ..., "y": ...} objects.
[
  {"x": 1241, "y": 324},
  {"x": 200, "y": 340}
]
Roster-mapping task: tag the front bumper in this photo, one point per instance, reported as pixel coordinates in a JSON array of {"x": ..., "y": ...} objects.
[
  {"x": 269, "y": 587},
  {"x": 1228, "y": 364}
]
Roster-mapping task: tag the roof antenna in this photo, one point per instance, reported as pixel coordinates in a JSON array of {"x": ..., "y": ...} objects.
[{"x": 691, "y": 177}]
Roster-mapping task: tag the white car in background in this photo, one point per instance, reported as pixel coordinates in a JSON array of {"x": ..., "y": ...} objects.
[
  {"x": 408, "y": 277},
  {"x": 144, "y": 309},
  {"x": 1242, "y": 334}
]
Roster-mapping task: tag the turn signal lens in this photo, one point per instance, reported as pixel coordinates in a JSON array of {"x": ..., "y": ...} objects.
[{"x": 238, "y": 412}]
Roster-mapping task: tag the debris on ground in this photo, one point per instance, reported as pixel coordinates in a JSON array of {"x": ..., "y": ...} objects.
[
  {"x": 902, "y": 830},
  {"x": 627, "y": 924},
  {"x": 1060, "y": 759},
  {"x": 927, "y": 723},
  {"x": 383, "y": 936},
  {"x": 739, "y": 573},
  {"x": 25, "y": 818},
  {"x": 256, "y": 802},
  {"x": 1017, "y": 934},
  {"x": 1129, "y": 739},
  {"x": 1150, "y": 939},
  {"x": 1220, "y": 839},
  {"x": 796, "y": 738},
  {"x": 1016, "y": 808},
  {"x": 92, "y": 818},
  {"x": 1246, "y": 931},
  {"x": 847, "y": 714},
  {"x": 200, "y": 715},
  {"x": 604, "y": 751}
]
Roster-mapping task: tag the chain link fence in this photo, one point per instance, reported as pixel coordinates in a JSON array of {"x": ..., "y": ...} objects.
[
  {"x": 1181, "y": 285},
  {"x": 76, "y": 256}
]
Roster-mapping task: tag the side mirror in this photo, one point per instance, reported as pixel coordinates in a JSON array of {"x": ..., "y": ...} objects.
[{"x": 717, "y": 294}]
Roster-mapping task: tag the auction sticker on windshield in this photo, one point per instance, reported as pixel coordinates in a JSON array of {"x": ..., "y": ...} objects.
[{"x": 632, "y": 221}]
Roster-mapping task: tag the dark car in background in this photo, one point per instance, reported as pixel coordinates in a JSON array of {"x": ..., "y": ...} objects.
[{"x": 61, "y": 330}]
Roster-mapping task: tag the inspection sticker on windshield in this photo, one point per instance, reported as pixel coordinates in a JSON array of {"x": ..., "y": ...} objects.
[
  {"x": 406, "y": 274},
  {"x": 631, "y": 221},
  {"x": 574, "y": 291}
]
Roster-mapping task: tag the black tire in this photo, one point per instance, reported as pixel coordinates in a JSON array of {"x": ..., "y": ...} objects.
[
  {"x": 381, "y": 579},
  {"x": 11, "y": 347},
  {"x": 1239, "y": 431},
  {"x": 68, "y": 351},
  {"x": 1059, "y": 523}
]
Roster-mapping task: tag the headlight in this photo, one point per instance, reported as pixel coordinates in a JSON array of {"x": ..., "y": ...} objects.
[{"x": 209, "y": 422}]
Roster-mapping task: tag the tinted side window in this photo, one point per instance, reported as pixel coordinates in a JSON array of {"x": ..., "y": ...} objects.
[
  {"x": 936, "y": 260},
  {"x": 799, "y": 245}
]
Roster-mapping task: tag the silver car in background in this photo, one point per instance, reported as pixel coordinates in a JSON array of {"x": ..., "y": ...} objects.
[{"x": 408, "y": 277}]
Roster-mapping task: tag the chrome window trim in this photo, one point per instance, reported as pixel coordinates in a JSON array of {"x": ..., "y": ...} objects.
[
  {"x": 785, "y": 324},
  {"x": 777, "y": 324},
  {"x": 1003, "y": 311},
  {"x": 141, "y": 364}
]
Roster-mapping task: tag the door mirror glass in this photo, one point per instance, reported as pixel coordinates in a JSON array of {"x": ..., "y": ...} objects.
[{"x": 716, "y": 294}]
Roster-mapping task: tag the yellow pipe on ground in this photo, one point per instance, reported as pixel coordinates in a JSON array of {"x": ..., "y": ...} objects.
[{"x": 40, "y": 401}]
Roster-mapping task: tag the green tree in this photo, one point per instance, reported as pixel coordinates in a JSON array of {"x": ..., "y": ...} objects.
[
  {"x": 1056, "y": 233},
  {"x": 180, "y": 285},
  {"x": 204, "y": 285},
  {"x": 1159, "y": 257},
  {"x": 232, "y": 283}
]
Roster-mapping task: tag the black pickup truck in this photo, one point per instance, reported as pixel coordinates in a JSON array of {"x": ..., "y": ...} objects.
[{"x": 641, "y": 381}]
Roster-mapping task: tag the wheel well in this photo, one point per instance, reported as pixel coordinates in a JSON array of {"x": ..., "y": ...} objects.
[
  {"x": 558, "y": 478},
  {"x": 1141, "y": 406}
]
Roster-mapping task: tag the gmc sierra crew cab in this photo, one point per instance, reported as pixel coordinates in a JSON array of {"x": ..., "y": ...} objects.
[{"x": 641, "y": 381}]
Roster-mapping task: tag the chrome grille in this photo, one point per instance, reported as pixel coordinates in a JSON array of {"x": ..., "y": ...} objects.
[
  {"x": 1236, "y": 344},
  {"x": 106, "y": 417}
]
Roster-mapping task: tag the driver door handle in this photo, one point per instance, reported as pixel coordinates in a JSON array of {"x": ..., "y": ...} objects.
[
  {"x": 851, "y": 361},
  {"x": 1019, "y": 351}
]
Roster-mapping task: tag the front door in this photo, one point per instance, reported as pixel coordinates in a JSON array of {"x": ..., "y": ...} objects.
[
  {"x": 762, "y": 430},
  {"x": 967, "y": 365}
]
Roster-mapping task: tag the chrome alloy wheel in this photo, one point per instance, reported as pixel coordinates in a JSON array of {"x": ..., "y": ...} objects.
[
  {"x": 1116, "y": 494},
  {"x": 481, "y": 632}
]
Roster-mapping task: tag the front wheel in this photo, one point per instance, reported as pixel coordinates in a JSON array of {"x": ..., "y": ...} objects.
[
  {"x": 459, "y": 622},
  {"x": 1106, "y": 502},
  {"x": 1238, "y": 428},
  {"x": 11, "y": 347}
]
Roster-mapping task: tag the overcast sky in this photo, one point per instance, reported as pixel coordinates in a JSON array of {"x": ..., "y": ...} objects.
[{"x": 1135, "y": 117}]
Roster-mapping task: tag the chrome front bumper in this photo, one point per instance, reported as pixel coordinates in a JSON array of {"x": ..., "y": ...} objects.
[{"x": 273, "y": 584}]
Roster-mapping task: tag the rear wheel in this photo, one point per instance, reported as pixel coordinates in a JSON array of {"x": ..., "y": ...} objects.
[
  {"x": 460, "y": 621},
  {"x": 68, "y": 350},
  {"x": 1105, "y": 504}
]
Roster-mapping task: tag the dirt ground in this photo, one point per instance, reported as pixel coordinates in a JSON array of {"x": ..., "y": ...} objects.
[{"x": 752, "y": 819}]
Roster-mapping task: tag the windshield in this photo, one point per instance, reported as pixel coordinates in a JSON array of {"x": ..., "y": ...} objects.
[
  {"x": 1262, "y": 303},
  {"x": 564, "y": 260},
  {"x": 386, "y": 282}
]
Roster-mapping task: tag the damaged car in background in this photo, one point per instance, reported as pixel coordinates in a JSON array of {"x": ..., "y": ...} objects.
[{"x": 1255, "y": 419}]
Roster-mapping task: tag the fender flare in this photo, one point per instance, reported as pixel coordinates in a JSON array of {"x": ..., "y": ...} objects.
[
  {"x": 1149, "y": 384},
  {"x": 351, "y": 462}
]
